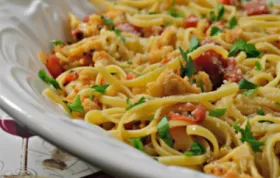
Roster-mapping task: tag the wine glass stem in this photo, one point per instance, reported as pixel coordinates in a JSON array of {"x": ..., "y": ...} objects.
[{"x": 24, "y": 154}]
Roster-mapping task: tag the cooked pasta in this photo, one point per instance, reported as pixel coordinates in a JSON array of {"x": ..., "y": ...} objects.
[{"x": 190, "y": 83}]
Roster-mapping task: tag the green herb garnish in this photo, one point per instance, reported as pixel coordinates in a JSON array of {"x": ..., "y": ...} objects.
[
  {"x": 258, "y": 66},
  {"x": 76, "y": 105},
  {"x": 164, "y": 131},
  {"x": 48, "y": 79},
  {"x": 247, "y": 136},
  {"x": 242, "y": 45},
  {"x": 217, "y": 112},
  {"x": 140, "y": 101},
  {"x": 171, "y": 11},
  {"x": 108, "y": 22},
  {"x": 100, "y": 89},
  {"x": 196, "y": 149},
  {"x": 137, "y": 143},
  {"x": 221, "y": 10},
  {"x": 260, "y": 112},
  {"x": 245, "y": 84},
  {"x": 118, "y": 33},
  {"x": 233, "y": 22},
  {"x": 57, "y": 42},
  {"x": 271, "y": 4},
  {"x": 201, "y": 86},
  {"x": 215, "y": 31},
  {"x": 91, "y": 97}
]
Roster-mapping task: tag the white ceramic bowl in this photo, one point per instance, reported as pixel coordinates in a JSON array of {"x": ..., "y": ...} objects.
[{"x": 28, "y": 26}]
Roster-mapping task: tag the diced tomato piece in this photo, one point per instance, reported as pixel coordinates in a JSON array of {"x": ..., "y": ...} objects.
[
  {"x": 86, "y": 19},
  {"x": 87, "y": 60},
  {"x": 128, "y": 28},
  {"x": 232, "y": 73},
  {"x": 152, "y": 31},
  {"x": 256, "y": 8},
  {"x": 54, "y": 66},
  {"x": 130, "y": 76},
  {"x": 70, "y": 77},
  {"x": 191, "y": 21},
  {"x": 225, "y": 2},
  {"x": 78, "y": 34},
  {"x": 199, "y": 113}
]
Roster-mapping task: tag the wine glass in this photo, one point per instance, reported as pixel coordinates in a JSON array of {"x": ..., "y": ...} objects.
[{"x": 13, "y": 128}]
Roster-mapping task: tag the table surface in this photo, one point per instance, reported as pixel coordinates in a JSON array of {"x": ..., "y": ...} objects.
[{"x": 99, "y": 175}]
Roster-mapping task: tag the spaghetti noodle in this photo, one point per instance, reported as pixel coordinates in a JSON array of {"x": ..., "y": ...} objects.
[{"x": 190, "y": 83}]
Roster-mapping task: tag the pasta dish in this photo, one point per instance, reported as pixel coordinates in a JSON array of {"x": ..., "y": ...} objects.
[{"x": 191, "y": 83}]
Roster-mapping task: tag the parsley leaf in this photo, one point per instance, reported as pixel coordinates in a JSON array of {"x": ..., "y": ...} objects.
[
  {"x": 233, "y": 22},
  {"x": 189, "y": 70},
  {"x": 152, "y": 13},
  {"x": 57, "y": 42},
  {"x": 140, "y": 101},
  {"x": 270, "y": 4},
  {"x": 217, "y": 112},
  {"x": 247, "y": 136},
  {"x": 48, "y": 79},
  {"x": 118, "y": 33},
  {"x": 91, "y": 97},
  {"x": 100, "y": 89},
  {"x": 258, "y": 66},
  {"x": 201, "y": 86},
  {"x": 221, "y": 10},
  {"x": 196, "y": 149},
  {"x": 164, "y": 131},
  {"x": 242, "y": 45},
  {"x": 215, "y": 31},
  {"x": 76, "y": 105},
  {"x": 194, "y": 44},
  {"x": 260, "y": 112},
  {"x": 245, "y": 84},
  {"x": 108, "y": 22},
  {"x": 137, "y": 143},
  {"x": 250, "y": 92},
  {"x": 171, "y": 11}
]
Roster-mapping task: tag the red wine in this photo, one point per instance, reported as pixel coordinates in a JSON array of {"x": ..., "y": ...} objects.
[{"x": 11, "y": 127}]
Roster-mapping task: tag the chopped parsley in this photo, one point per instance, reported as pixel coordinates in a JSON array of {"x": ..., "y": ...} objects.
[
  {"x": 189, "y": 69},
  {"x": 140, "y": 101},
  {"x": 221, "y": 10},
  {"x": 242, "y": 45},
  {"x": 48, "y": 79},
  {"x": 247, "y": 136},
  {"x": 100, "y": 89},
  {"x": 164, "y": 131},
  {"x": 215, "y": 31},
  {"x": 171, "y": 11},
  {"x": 217, "y": 112},
  {"x": 196, "y": 149},
  {"x": 245, "y": 84},
  {"x": 118, "y": 33},
  {"x": 258, "y": 66},
  {"x": 108, "y": 22},
  {"x": 260, "y": 112},
  {"x": 152, "y": 13},
  {"x": 76, "y": 105},
  {"x": 201, "y": 86},
  {"x": 57, "y": 42},
  {"x": 271, "y": 4},
  {"x": 91, "y": 97},
  {"x": 137, "y": 143},
  {"x": 233, "y": 22}
]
